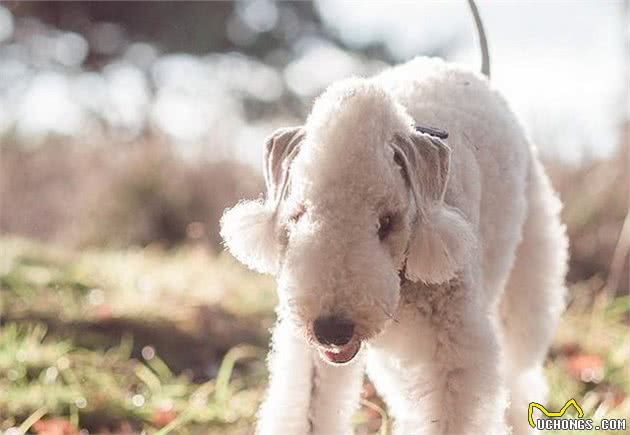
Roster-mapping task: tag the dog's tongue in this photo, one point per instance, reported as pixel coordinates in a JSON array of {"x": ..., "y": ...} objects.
[{"x": 342, "y": 355}]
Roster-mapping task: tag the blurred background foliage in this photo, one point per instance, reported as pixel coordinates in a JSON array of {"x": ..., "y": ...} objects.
[{"x": 126, "y": 128}]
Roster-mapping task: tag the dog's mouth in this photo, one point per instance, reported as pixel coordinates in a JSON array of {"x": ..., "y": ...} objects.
[{"x": 341, "y": 354}]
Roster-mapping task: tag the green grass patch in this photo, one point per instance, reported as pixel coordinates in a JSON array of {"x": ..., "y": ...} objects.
[{"x": 175, "y": 341}]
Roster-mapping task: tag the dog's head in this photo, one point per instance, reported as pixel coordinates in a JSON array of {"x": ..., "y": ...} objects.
[{"x": 354, "y": 202}]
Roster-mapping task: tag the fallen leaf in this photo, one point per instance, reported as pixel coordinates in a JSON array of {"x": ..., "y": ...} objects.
[
  {"x": 103, "y": 312},
  {"x": 161, "y": 417},
  {"x": 586, "y": 367},
  {"x": 55, "y": 426}
]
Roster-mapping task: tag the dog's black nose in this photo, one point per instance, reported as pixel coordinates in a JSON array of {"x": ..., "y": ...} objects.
[{"x": 333, "y": 330}]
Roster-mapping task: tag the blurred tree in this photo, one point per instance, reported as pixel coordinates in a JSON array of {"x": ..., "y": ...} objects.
[{"x": 259, "y": 28}]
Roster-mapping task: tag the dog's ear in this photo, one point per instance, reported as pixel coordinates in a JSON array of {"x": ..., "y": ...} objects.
[
  {"x": 441, "y": 238},
  {"x": 249, "y": 229},
  {"x": 280, "y": 148}
]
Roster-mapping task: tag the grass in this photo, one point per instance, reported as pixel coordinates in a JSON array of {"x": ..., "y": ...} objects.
[
  {"x": 589, "y": 360},
  {"x": 110, "y": 390},
  {"x": 135, "y": 340},
  {"x": 174, "y": 341}
]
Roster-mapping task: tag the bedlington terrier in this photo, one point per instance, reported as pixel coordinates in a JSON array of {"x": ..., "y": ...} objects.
[{"x": 435, "y": 264}]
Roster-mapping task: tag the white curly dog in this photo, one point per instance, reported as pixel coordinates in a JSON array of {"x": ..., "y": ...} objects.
[{"x": 436, "y": 264}]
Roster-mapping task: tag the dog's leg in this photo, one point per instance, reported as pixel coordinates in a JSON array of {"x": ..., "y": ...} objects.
[
  {"x": 285, "y": 409},
  {"x": 525, "y": 387},
  {"x": 470, "y": 394},
  {"x": 307, "y": 396},
  {"x": 533, "y": 299},
  {"x": 438, "y": 369},
  {"x": 336, "y": 391}
]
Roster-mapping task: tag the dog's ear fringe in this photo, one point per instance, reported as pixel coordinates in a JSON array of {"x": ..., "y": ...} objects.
[
  {"x": 249, "y": 232},
  {"x": 441, "y": 246}
]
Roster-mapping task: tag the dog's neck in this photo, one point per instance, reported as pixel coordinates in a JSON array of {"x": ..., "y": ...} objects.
[{"x": 412, "y": 292}]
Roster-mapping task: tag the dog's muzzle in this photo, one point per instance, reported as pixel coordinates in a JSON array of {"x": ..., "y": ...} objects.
[
  {"x": 337, "y": 339},
  {"x": 341, "y": 355}
]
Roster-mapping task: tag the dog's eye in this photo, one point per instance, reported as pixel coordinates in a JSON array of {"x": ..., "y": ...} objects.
[
  {"x": 384, "y": 226},
  {"x": 398, "y": 159}
]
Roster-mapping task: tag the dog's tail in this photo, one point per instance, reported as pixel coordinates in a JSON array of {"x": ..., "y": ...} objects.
[{"x": 483, "y": 43}]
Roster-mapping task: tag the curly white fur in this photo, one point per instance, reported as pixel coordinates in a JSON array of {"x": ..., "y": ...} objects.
[
  {"x": 441, "y": 247},
  {"x": 250, "y": 232},
  {"x": 465, "y": 335}
]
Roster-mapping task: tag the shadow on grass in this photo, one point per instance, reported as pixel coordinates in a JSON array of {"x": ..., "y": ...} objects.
[{"x": 194, "y": 346}]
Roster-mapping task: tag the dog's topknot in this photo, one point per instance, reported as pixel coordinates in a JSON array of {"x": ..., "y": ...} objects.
[{"x": 354, "y": 108}]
